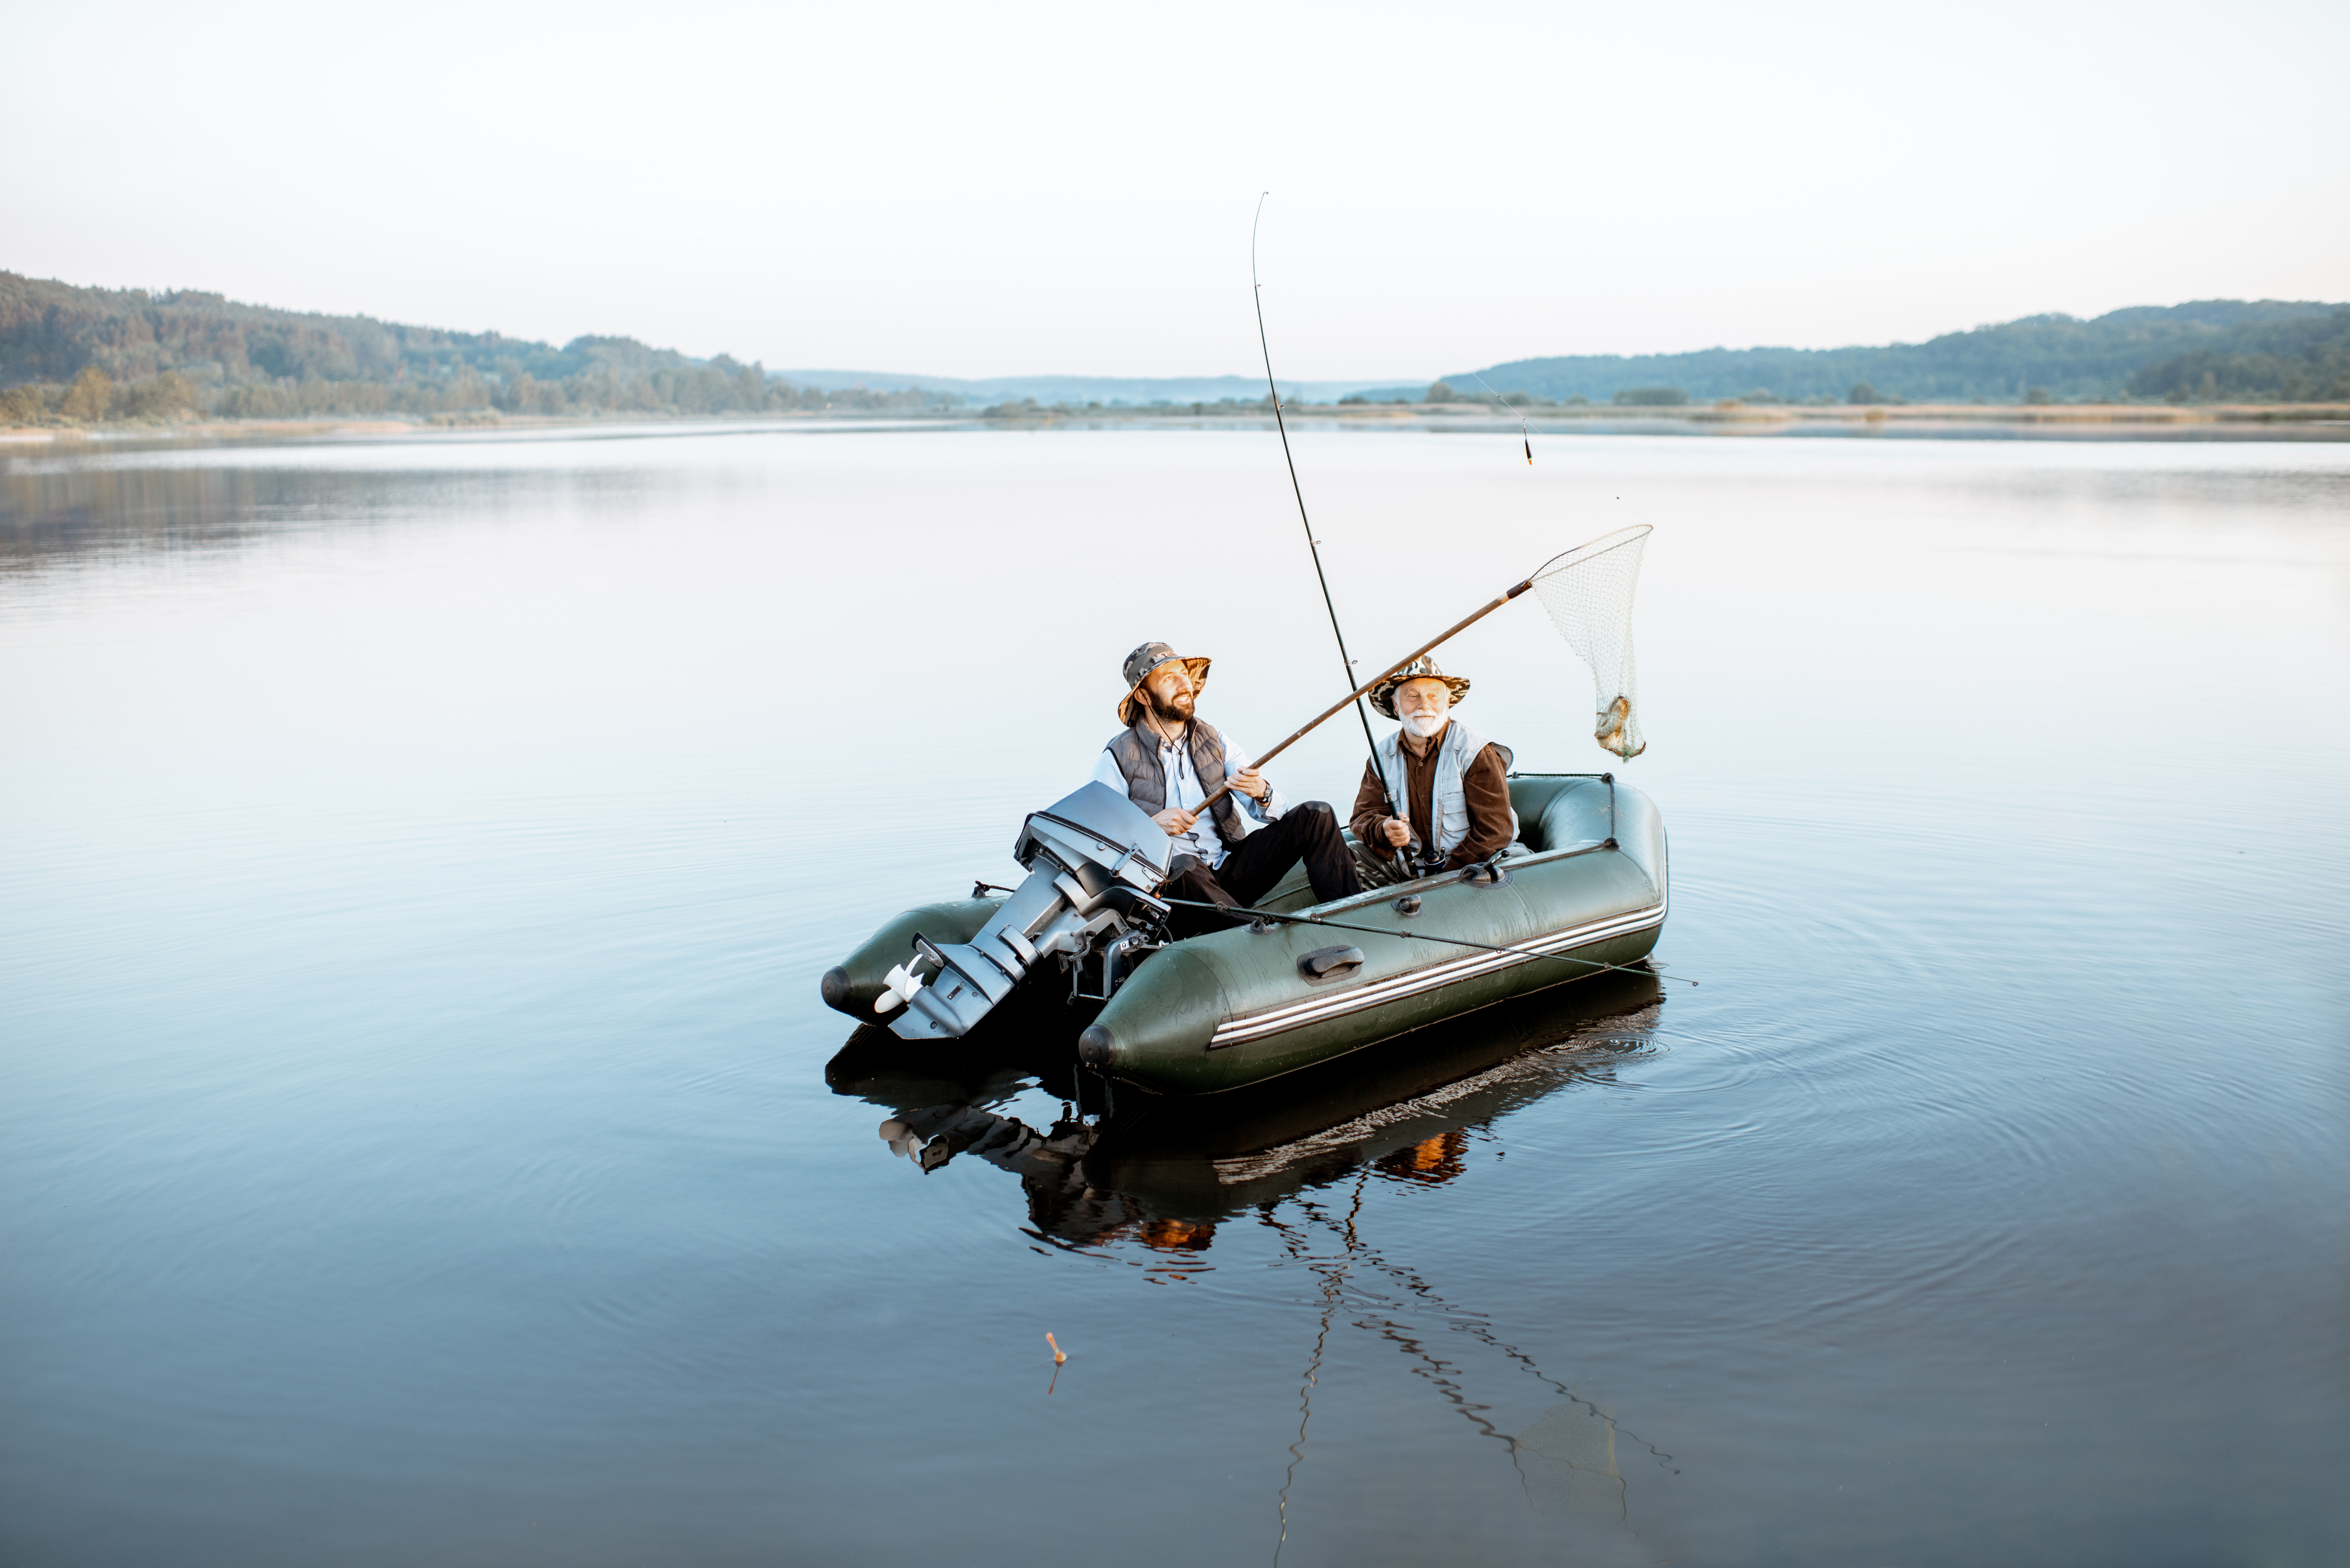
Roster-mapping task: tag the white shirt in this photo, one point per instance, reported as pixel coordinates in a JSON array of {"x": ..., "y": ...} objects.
[{"x": 1183, "y": 790}]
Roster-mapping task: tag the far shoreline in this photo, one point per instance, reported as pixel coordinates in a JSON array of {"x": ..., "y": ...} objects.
[{"x": 2134, "y": 422}]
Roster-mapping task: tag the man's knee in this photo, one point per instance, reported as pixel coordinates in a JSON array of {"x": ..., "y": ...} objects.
[
  {"x": 1193, "y": 882},
  {"x": 1318, "y": 819}
]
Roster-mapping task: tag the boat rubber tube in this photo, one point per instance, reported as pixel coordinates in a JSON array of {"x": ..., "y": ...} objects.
[
  {"x": 857, "y": 983},
  {"x": 1235, "y": 1007}
]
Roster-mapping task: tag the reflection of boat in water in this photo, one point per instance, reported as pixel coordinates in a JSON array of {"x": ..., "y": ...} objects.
[
  {"x": 1296, "y": 1155},
  {"x": 1169, "y": 1170},
  {"x": 1084, "y": 945}
]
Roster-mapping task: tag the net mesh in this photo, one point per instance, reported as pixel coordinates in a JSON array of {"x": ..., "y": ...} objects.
[{"x": 1589, "y": 593}]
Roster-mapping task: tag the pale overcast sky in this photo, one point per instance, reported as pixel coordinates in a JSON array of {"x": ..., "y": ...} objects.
[{"x": 978, "y": 189}]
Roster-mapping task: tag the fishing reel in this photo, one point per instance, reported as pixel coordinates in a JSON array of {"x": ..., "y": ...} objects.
[
  {"x": 1417, "y": 861},
  {"x": 1414, "y": 859}
]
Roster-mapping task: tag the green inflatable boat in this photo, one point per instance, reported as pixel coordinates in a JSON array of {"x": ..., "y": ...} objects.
[{"x": 1081, "y": 947}]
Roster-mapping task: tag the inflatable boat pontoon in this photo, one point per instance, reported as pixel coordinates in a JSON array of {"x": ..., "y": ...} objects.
[{"x": 1082, "y": 944}]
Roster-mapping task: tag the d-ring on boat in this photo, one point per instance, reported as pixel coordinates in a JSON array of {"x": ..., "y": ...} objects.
[{"x": 1581, "y": 893}]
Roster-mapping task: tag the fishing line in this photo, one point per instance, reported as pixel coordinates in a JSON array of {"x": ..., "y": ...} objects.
[
  {"x": 1523, "y": 432},
  {"x": 1313, "y": 545},
  {"x": 1230, "y": 913}
]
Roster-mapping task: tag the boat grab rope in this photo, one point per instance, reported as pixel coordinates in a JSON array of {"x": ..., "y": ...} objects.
[{"x": 1228, "y": 911}]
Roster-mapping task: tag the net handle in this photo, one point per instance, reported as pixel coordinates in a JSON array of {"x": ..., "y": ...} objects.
[
  {"x": 1364, "y": 690},
  {"x": 1550, "y": 567}
]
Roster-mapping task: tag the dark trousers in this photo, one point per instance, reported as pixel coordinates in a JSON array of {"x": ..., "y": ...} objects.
[{"x": 1308, "y": 831}]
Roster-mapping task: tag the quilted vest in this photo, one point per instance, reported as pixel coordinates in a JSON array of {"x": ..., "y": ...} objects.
[{"x": 1137, "y": 753}]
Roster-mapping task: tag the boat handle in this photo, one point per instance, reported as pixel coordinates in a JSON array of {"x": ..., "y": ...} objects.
[{"x": 1330, "y": 964}]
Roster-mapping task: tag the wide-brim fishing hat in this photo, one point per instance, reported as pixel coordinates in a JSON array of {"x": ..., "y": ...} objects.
[
  {"x": 1138, "y": 668},
  {"x": 1421, "y": 669}
]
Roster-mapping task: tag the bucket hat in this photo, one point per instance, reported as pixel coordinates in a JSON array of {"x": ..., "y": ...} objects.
[
  {"x": 1421, "y": 669},
  {"x": 1138, "y": 668}
]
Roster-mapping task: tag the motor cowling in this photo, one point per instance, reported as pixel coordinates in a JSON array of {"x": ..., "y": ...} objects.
[{"x": 1093, "y": 859}]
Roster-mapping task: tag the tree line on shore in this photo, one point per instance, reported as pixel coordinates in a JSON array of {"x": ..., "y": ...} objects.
[
  {"x": 86, "y": 354},
  {"x": 2206, "y": 352},
  {"x": 2301, "y": 360},
  {"x": 71, "y": 355},
  {"x": 718, "y": 388}
]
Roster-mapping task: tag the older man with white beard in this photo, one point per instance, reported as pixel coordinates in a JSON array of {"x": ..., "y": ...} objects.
[
  {"x": 1435, "y": 788},
  {"x": 1168, "y": 761}
]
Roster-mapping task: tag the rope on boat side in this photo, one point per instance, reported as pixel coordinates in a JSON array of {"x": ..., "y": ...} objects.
[{"x": 1229, "y": 912}]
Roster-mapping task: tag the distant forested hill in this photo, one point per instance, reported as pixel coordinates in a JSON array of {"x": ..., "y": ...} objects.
[
  {"x": 2301, "y": 359},
  {"x": 112, "y": 352},
  {"x": 2121, "y": 353}
]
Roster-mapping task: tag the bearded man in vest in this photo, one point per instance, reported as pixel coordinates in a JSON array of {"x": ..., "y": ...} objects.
[
  {"x": 1435, "y": 788},
  {"x": 1168, "y": 761}
]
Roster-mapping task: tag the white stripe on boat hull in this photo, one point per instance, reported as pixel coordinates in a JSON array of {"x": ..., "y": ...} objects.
[{"x": 1317, "y": 1009}]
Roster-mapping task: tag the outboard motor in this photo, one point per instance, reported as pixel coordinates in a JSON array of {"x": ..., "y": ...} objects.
[{"x": 1093, "y": 859}]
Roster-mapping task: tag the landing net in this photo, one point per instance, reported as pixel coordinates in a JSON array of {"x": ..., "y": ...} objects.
[{"x": 1589, "y": 593}]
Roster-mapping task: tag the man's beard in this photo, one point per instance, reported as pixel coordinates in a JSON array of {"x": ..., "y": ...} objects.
[
  {"x": 1175, "y": 709},
  {"x": 1425, "y": 724}
]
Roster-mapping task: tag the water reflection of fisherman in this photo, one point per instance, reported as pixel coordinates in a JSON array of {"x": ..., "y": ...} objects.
[
  {"x": 1457, "y": 783},
  {"x": 1168, "y": 761}
]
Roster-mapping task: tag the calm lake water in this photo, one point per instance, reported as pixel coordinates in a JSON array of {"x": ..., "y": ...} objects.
[{"x": 421, "y": 1141}]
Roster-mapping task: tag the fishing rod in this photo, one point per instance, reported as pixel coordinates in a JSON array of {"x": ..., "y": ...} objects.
[{"x": 1313, "y": 545}]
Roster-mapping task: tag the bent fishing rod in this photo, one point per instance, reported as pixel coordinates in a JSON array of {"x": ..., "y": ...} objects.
[{"x": 1313, "y": 545}]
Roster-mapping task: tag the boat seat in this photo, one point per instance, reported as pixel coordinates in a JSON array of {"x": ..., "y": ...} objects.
[{"x": 1559, "y": 811}]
